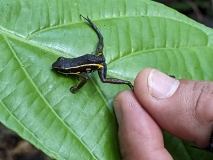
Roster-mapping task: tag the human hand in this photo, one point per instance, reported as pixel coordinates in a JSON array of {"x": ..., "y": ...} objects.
[{"x": 183, "y": 108}]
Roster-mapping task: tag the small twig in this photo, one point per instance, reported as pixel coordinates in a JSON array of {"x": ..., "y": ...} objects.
[
  {"x": 212, "y": 5},
  {"x": 195, "y": 9}
]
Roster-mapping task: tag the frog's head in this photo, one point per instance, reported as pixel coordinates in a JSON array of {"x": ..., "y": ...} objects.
[{"x": 61, "y": 64}]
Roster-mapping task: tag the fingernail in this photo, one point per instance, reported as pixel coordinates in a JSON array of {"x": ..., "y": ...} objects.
[
  {"x": 117, "y": 110},
  {"x": 160, "y": 85}
]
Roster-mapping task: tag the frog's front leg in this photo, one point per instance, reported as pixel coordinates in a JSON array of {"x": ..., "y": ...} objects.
[{"x": 77, "y": 87}]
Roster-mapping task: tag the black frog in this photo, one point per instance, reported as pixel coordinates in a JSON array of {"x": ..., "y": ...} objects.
[{"x": 87, "y": 63}]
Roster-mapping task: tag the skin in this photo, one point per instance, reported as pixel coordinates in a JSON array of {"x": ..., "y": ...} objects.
[{"x": 187, "y": 113}]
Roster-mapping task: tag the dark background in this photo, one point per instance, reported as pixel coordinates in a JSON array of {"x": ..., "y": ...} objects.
[
  {"x": 12, "y": 147},
  {"x": 199, "y": 10}
]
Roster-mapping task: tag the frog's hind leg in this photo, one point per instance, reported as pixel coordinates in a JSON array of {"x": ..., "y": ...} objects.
[{"x": 100, "y": 46}]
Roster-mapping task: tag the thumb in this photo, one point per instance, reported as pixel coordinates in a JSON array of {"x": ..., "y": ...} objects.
[{"x": 182, "y": 107}]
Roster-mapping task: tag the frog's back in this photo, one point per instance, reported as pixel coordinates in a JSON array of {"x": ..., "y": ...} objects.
[{"x": 86, "y": 59}]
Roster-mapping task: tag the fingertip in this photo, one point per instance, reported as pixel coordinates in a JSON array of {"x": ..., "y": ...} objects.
[
  {"x": 139, "y": 135},
  {"x": 117, "y": 103},
  {"x": 122, "y": 104},
  {"x": 140, "y": 84},
  {"x": 156, "y": 84}
]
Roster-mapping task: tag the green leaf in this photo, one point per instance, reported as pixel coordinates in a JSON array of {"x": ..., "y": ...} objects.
[{"x": 36, "y": 103}]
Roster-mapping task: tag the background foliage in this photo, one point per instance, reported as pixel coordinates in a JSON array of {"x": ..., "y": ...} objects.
[{"x": 36, "y": 103}]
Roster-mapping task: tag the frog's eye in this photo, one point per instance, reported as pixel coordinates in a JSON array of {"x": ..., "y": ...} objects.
[{"x": 60, "y": 59}]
